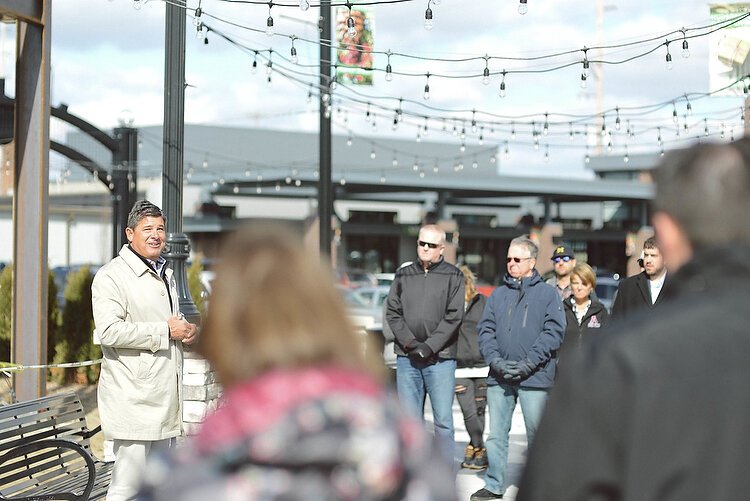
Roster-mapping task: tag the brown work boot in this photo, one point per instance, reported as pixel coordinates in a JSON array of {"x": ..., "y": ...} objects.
[
  {"x": 480, "y": 459},
  {"x": 468, "y": 457}
]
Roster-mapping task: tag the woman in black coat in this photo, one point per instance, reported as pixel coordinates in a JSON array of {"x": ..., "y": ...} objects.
[
  {"x": 585, "y": 315},
  {"x": 471, "y": 374}
]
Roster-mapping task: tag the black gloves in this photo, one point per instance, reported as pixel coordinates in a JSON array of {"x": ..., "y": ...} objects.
[
  {"x": 520, "y": 371},
  {"x": 511, "y": 371},
  {"x": 420, "y": 351},
  {"x": 502, "y": 366}
]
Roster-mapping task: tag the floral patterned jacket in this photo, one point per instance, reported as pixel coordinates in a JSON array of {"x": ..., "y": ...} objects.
[{"x": 313, "y": 434}]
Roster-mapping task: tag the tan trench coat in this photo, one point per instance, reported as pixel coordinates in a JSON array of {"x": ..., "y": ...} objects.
[{"x": 140, "y": 386}]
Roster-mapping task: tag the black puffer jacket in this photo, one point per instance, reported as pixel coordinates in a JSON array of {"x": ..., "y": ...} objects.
[
  {"x": 468, "y": 339},
  {"x": 592, "y": 324},
  {"x": 427, "y": 306}
]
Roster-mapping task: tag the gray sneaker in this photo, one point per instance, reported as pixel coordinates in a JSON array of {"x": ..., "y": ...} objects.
[{"x": 483, "y": 494}]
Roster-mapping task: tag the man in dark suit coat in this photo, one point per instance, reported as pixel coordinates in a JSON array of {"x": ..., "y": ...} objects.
[{"x": 646, "y": 291}]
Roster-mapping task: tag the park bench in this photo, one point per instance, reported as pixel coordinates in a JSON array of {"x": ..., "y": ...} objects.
[{"x": 45, "y": 452}]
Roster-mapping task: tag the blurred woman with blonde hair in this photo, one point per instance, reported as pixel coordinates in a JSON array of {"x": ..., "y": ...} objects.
[{"x": 304, "y": 414}]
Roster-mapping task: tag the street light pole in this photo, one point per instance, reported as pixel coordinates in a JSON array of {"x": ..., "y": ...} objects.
[
  {"x": 325, "y": 189},
  {"x": 178, "y": 245}
]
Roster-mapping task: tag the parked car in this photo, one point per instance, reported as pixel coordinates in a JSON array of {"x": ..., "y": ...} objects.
[
  {"x": 606, "y": 290},
  {"x": 364, "y": 307},
  {"x": 385, "y": 278},
  {"x": 355, "y": 278}
]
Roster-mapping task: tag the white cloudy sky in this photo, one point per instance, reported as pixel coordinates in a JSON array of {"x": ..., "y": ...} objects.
[{"x": 108, "y": 60}]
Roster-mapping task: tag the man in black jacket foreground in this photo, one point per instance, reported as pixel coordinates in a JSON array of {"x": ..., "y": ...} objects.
[
  {"x": 660, "y": 410},
  {"x": 424, "y": 310}
]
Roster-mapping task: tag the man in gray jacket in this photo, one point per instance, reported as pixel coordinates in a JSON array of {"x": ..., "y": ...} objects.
[
  {"x": 424, "y": 310},
  {"x": 141, "y": 331}
]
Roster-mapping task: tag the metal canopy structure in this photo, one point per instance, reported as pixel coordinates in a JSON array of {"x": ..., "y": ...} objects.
[{"x": 30, "y": 190}]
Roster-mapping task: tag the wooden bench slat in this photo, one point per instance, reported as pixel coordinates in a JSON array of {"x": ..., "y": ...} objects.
[{"x": 48, "y": 470}]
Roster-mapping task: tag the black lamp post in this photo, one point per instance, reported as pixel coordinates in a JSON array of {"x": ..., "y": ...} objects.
[{"x": 178, "y": 245}]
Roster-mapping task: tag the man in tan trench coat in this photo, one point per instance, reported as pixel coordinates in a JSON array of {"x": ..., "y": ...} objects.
[{"x": 141, "y": 332}]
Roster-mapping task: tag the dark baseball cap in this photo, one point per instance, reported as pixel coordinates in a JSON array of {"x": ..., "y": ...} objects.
[{"x": 561, "y": 251}]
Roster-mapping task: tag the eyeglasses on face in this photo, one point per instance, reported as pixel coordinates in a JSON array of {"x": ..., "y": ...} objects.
[
  {"x": 517, "y": 259},
  {"x": 561, "y": 259},
  {"x": 422, "y": 243}
]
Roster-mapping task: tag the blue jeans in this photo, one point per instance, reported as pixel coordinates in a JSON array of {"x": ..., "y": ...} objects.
[
  {"x": 439, "y": 381},
  {"x": 501, "y": 401}
]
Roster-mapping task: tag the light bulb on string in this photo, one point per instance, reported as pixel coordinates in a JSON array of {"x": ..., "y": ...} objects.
[
  {"x": 545, "y": 127},
  {"x": 309, "y": 94},
  {"x": 268, "y": 82},
  {"x": 436, "y": 168},
  {"x": 493, "y": 159},
  {"x": 506, "y": 151},
  {"x": 705, "y": 127},
  {"x": 415, "y": 166},
  {"x": 394, "y": 162},
  {"x": 570, "y": 124},
  {"x": 675, "y": 118},
  {"x": 428, "y": 17},
  {"x": 523, "y": 8},
  {"x": 351, "y": 26},
  {"x": 427, "y": 88},
  {"x": 199, "y": 31},
  {"x": 236, "y": 189},
  {"x": 382, "y": 177},
  {"x": 546, "y": 153},
  {"x": 254, "y": 68},
  {"x": 486, "y": 72},
  {"x": 277, "y": 187},
  {"x": 462, "y": 148},
  {"x": 502, "y": 85},
  {"x": 512, "y": 131},
  {"x": 426, "y": 127},
  {"x": 293, "y": 59},
  {"x": 658, "y": 137},
  {"x": 587, "y": 158},
  {"x": 395, "y": 122},
  {"x": 333, "y": 83},
  {"x": 609, "y": 146},
  {"x": 617, "y": 118},
  {"x": 474, "y": 164},
  {"x": 463, "y": 133},
  {"x": 626, "y": 157},
  {"x": 269, "y": 25},
  {"x": 197, "y": 15},
  {"x": 349, "y": 141},
  {"x": 585, "y": 71},
  {"x": 367, "y": 113},
  {"x": 685, "y": 47},
  {"x": 205, "y": 37},
  {"x": 388, "y": 69},
  {"x": 137, "y": 4},
  {"x": 668, "y": 57},
  {"x": 269, "y": 65},
  {"x": 473, "y": 122},
  {"x": 722, "y": 131},
  {"x": 298, "y": 182},
  {"x": 372, "y": 154}
]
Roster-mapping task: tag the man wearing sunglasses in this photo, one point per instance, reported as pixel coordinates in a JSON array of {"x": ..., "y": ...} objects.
[
  {"x": 564, "y": 261},
  {"x": 520, "y": 331},
  {"x": 424, "y": 310}
]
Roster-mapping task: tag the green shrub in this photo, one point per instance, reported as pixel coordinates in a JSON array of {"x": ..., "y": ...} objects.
[
  {"x": 75, "y": 342},
  {"x": 6, "y": 298}
]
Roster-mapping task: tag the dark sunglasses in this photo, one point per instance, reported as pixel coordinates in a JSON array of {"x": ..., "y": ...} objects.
[
  {"x": 563, "y": 259},
  {"x": 422, "y": 243},
  {"x": 517, "y": 259}
]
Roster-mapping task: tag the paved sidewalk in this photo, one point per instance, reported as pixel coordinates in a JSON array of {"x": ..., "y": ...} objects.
[{"x": 468, "y": 481}]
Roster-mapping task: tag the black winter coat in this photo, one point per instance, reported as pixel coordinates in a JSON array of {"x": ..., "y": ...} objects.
[
  {"x": 659, "y": 411},
  {"x": 593, "y": 323},
  {"x": 634, "y": 296},
  {"x": 426, "y": 306},
  {"x": 468, "y": 339}
]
